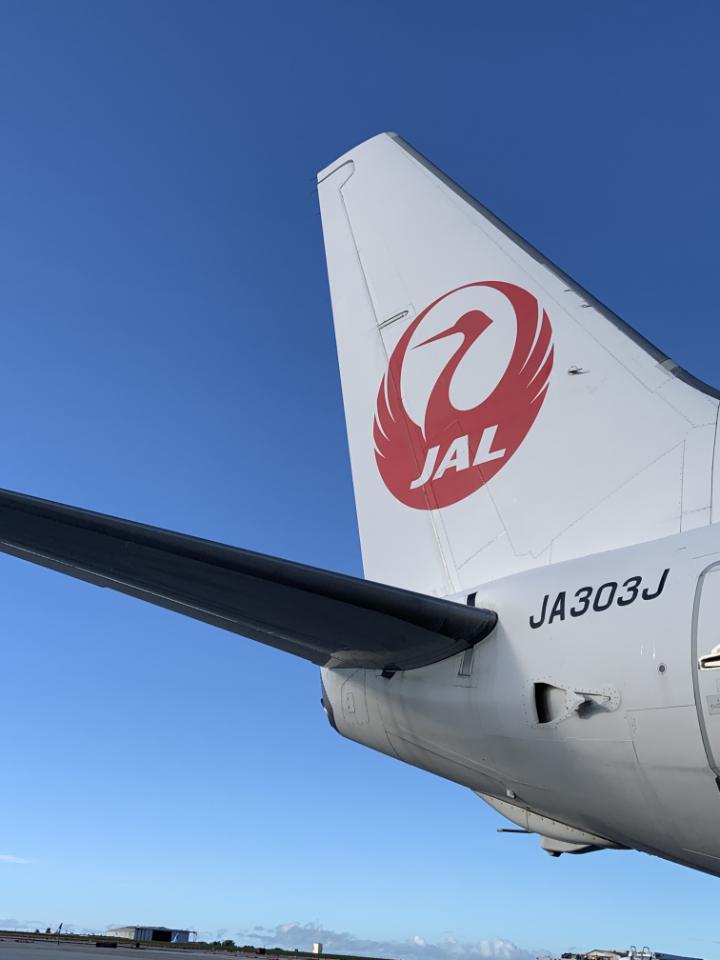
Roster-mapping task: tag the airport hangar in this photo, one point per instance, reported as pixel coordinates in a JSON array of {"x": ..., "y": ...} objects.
[{"x": 153, "y": 934}]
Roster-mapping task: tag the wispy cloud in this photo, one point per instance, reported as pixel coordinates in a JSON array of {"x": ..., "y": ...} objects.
[
  {"x": 301, "y": 936},
  {"x": 10, "y": 858}
]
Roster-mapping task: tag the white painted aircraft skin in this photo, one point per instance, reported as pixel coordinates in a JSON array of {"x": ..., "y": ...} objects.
[
  {"x": 629, "y": 749},
  {"x": 575, "y": 500}
]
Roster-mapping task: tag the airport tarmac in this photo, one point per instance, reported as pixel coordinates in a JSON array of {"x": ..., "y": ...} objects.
[{"x": 52, "y": 950}]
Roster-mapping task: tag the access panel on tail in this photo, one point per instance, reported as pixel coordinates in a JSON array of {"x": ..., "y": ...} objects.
[{"x": 499, "y": 417}]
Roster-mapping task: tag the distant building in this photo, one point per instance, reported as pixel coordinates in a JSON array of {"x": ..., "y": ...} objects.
[
  {"x": 317, "y": 949},
  {"x": 153, "y": 934},
  {"x": 632, "y": 954}
]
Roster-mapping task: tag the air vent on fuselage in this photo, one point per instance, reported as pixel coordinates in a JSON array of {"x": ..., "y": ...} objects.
[{"x": 550, "y": 702}]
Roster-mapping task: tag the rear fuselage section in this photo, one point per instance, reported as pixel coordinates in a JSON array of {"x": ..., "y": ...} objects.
[{"x": 585, "y": 705}]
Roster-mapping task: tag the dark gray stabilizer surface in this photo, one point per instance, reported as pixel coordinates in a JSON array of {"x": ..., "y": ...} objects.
[{"x": 328, "y": 618}]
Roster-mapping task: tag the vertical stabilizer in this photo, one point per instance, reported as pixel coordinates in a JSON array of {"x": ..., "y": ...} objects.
[{"x": 499, "y": 417}]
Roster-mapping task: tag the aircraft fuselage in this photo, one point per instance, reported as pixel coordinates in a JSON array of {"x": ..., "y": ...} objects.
[{"x": 586, "y": 706}]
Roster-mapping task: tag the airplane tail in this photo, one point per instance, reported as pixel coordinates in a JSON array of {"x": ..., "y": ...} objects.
[{"x": 499, "y": 416}]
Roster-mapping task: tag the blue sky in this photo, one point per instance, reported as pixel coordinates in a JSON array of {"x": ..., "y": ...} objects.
[{"x": 167, "y": 355}]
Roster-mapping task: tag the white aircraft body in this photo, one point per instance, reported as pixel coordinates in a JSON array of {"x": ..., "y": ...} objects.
[{"x": 537, "y": 495}]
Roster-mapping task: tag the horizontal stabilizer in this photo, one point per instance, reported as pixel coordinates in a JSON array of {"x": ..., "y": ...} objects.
[{"x": 328, "y": 618}]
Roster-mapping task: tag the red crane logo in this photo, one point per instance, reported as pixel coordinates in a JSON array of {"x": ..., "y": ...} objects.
[{"x": 455, "y": 452}]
